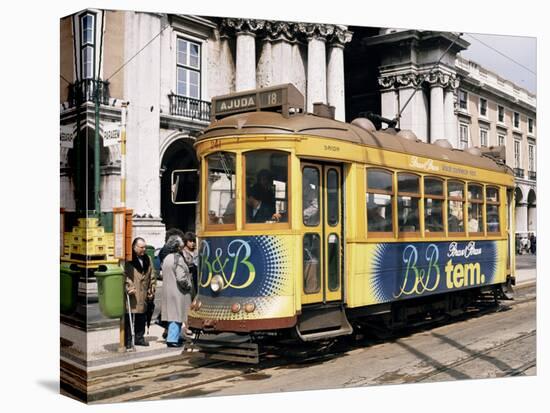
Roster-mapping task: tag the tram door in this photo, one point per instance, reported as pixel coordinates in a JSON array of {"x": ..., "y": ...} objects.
[{"x": 322, "y": 232}]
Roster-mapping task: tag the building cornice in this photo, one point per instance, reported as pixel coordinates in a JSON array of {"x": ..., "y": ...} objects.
[{"x": 476, "y": 86}]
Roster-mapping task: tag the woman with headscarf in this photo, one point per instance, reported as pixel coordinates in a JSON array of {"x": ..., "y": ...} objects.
[{"x": 176, "y": 290}]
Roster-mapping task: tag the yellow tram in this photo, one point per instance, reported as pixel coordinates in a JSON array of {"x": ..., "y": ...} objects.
[{"x": 310, "y": 225}]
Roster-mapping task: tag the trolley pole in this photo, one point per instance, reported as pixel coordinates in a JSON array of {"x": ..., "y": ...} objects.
[{"x": 122, "y": 341}]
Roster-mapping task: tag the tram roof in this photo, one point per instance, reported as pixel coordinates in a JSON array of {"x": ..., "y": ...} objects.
[{"x": 269, "y": 123}]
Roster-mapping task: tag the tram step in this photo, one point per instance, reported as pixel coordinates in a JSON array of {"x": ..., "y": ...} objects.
[
  {"x": 321, "y": 323},
  {"x": 228, "y": 347}
]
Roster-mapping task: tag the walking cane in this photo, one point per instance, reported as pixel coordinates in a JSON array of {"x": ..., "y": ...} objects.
[{"x": 131, "y": 322}]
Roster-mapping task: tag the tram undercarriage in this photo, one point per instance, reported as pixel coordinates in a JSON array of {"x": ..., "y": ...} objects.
[{"x": 320, "y": 325}]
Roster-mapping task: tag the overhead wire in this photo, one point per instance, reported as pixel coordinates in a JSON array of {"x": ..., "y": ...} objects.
[{"x": 501, "y": 53}]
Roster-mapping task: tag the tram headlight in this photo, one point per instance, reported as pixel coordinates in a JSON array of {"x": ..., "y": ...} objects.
[
  {"x": 249, "y": 307},
  {"x": 216, "y": 284}
]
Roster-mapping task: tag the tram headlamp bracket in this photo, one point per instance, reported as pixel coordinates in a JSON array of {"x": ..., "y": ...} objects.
[{"x": 216, "y": 285}]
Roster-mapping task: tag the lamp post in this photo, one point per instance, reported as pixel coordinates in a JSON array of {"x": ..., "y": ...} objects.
[{"x": 97, "y": 174}]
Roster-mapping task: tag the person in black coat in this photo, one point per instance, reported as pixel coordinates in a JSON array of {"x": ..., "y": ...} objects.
[{"x": 257, "y": 210}]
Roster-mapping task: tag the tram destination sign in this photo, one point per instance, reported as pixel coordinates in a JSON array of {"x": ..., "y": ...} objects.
[{"x": 282, "y": 97}]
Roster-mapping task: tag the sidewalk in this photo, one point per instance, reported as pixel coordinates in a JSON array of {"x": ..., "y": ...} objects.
[
  {"x": 526, "y": 276},
  {"x": 101, "y": 346}
]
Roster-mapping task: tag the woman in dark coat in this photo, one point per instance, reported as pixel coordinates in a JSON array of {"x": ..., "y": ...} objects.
[
  {"x": 176, "y": 291},
  {"x": 140, "y": 287}
]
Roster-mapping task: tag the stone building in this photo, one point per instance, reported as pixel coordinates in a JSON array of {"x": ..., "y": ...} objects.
[
  {"x": 154, "y": 74},
  {"x": 493, "y": 111}
]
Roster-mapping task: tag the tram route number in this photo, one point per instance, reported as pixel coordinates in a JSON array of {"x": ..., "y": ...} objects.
[
  {"x": 216, "y": 143},
  {"x": 332, "y": 148}
]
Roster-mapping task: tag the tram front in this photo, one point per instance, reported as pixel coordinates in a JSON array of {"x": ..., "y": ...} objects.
[{"x": 246, "y": 245}]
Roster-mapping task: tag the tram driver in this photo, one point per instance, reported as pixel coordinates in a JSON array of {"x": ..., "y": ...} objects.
[{"x": 258, "y": 210}]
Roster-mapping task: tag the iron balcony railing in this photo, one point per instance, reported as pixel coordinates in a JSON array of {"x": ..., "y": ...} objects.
[
  {"x": 520, "y": 173},
  {"x": 533, "y": 175},
  {"x": 84, "y": 91},
  {"x": 189, "y": 107}
]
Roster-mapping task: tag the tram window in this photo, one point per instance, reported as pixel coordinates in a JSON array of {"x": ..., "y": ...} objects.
[
  {"x": 408, "y": 188},
  {"x": 493, "y": 220},
  {"x": 312, "y": 267},
  {"x": 492, "y": 194},
  {"x": 455, "y": 216},
  {"x": 332, "y": 198},
  {"x": 266, "y": 186},
  {"x": 475, "y": 208},
  {"x": 379, "y": 201},
  {"x": 333, "y": 262},
  {"x": 433, "y": 186},
  {"x": 310, "y": 196},
  {"x": 434, "y": 215},
  {"x": 221, "y": 188},
  {"x": 379, "y": 212},
  {"x": 380, "y": 180},
  {"x": 433, "y": 204}
]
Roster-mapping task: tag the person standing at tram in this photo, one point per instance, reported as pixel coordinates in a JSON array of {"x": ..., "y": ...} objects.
[
  {"x": 140, "y": 287},
  {"x": 191, "y": 257},
  {"x": 176, "y": 291},
  {"x": 533, "y": 242}
]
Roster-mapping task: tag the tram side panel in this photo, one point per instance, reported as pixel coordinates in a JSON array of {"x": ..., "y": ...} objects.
[{"x": 385, "y": 272}]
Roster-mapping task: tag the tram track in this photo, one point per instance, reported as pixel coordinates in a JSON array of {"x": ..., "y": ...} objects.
[
  {"x": 196, "y": 374},
  {"x": 480, "y": 355}
]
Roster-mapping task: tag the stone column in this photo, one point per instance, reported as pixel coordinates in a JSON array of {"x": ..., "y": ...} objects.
[
  {"x": 450, "y": 118},
  {"x": 316, "y": 72},
  {"x": 532, "y": 218},
  {"x": 316, "y": 62},
  {"x": 245, "y": 66},
  {"x": 437, "y": 130},
  {"x": 402, "y": 96},
  {"x": 245, "y": 77},
  {"x": 335, "y": 74},
  {"x": 521, "y": 218},
  {"x": 279, "y": 39}
]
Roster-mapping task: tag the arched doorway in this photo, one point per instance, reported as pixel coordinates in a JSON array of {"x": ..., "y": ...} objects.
[{"x": 179, "y": 185}]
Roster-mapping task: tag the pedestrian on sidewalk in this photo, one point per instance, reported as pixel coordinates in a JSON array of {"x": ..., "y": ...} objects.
[
  {"x": 533, "y": 241},
  {"x": 162, "y": 254},
  {"x": 164, "y": 250},
  {"x": 176, "y": 291},
  {"x": 191, "y": 257},
  {"x": 140, "y": 287}
]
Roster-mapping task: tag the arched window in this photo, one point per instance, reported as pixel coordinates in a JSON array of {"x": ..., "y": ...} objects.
[{"x": 379, "y": 201}]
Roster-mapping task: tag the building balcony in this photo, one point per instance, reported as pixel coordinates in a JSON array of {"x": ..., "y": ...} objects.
[
  {"x": 189, "y": 107},
  {"x": 519, "y": 173},
  {"x": 533, "y": 175},
  {"x": 85, "y": 91}
]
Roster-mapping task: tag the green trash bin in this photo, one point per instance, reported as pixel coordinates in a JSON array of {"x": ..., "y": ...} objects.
[
  {"x": 110, "y": 290},
  {"x": 68, "y": 287}
]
